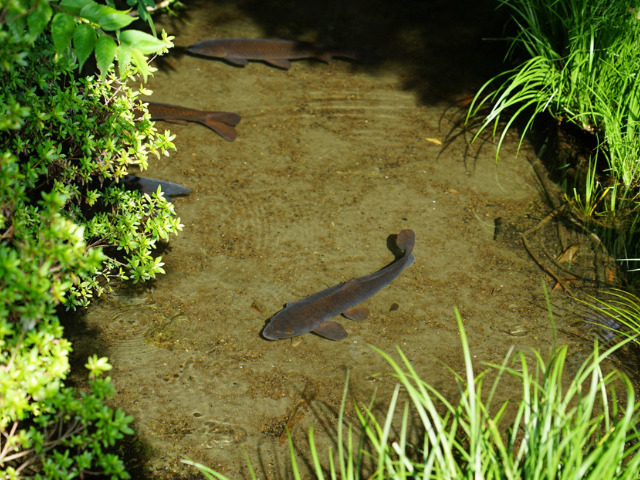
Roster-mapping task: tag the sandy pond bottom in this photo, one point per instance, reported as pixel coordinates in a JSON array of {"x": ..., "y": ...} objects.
[{"x": 331, "y": 159}]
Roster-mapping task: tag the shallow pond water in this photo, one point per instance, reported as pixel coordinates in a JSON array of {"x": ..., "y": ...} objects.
[{"x": 331, "y": 159}]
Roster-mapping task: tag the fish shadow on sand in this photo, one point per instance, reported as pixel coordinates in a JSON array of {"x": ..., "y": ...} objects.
[
  {"x": 274, "y": 52},
  {"x": 392, "y": 245}
]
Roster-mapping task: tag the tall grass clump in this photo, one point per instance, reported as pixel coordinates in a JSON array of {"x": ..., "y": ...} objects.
[
  {"x": 555, "y": 429},
  {"x": 577, "y": 61}
]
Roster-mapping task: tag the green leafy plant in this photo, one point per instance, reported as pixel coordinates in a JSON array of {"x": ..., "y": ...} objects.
[
  {"x": 145, "y": 7},
  {"x": 84, "y": 25},
  {"x": 68, "y": 225},
  {"x": 559, "y": 429},
  {"x": 70, "y": 434},
  {"x": 78, "y": 142}
]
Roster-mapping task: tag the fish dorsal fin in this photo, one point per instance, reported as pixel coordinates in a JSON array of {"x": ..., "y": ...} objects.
[
  {"x": 356, "y": 313},
  {"x": 237, "y": 60},
  {"x": 331, "y": 330},
  {"x": 279, "y": 62}
]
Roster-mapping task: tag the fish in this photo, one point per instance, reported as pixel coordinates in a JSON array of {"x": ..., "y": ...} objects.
[
  {"x": 238, "y": 51},
  {"x": 222, "y": 123},
  {"x": 313, "y": 313},
  {"x": 150, "y": 186}
]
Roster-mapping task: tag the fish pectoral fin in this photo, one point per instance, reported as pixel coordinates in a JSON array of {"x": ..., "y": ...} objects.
[
  {"x": 279, "y": 62},
  {"x": 356, "y": 313},
  {"x": 331, "y": 330},
  {"x": 237, "y": 60}
]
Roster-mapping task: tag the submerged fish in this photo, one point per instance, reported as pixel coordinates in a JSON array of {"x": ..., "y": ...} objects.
[
  {"x": 150, "y": 186},
  {"x": 220, "y": 122},
  {"x": 274, "y": 52},
  {"x": 312, "y": 314}
]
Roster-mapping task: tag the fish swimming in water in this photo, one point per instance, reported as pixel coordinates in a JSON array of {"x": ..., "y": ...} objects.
[
  {"x": 150, "y": 186},
  {"x": 274, "y": 52},
  {"x": 222, "y": 123},
  {"x": 312, "y": 314}
]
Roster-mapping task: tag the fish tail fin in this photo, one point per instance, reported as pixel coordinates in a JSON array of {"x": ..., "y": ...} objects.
[
  {"x": 324, "y": 56},
  {"x": 360, "y": 56},
  {"x": 405, "y": 240},
  {"x": 228, "y": 118},
  {"x": 221, "y": 127}
]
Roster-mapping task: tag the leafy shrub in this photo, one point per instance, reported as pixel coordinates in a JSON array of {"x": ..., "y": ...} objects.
[
  {"x": 68, "y": 225},
  {"x": 70, "y": 434}
]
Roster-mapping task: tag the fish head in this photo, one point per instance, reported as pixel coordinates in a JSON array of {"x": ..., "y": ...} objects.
[
  {"x": 279, "y": 330},
  {"x": 208, "y": 48},
  {"x": 288, "y": 323}
]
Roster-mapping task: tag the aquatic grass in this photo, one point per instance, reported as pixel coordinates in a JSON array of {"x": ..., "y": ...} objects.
[
  {"x": 619, "y": 314},
  {"x": 556, "y": 428},
  {"x": 593, "y": 195},
  {"x": 211, "y": 474},
  {"x": 577, "y": 61},
  {"x": 579, "y": 51}
]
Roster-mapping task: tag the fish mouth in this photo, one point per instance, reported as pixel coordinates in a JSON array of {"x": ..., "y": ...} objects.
[
  {"x": 270, "y": 335},
  {"x": 273, "y": 334}
]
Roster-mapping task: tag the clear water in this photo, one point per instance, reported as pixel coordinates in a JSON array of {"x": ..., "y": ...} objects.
[{"x": 330, "y": 160}]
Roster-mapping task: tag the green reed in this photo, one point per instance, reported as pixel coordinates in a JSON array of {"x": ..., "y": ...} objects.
[
  {"x": 559, "y": 429},
  {"x": 578, "y": 61},
  {"x": 621, "y": 314}
]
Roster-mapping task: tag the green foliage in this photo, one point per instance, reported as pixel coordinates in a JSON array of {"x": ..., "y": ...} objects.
[
  {"x": 72, "y": 432},
  {"x": 556, "y": 429},
  {"x": 618, "y": 312},
  {"x": 579, "y": 64},
  {"x": 143, "y": 7},
  {"x": 581, "y": 61},
  {"x": 77, "y": 141},
  {"x": 67, "y": 224},
  {"x": 80, "y": 28}
]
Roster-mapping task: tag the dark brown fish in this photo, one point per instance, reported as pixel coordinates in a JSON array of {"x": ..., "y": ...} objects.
[
  {"x": 312, "y": 314},
  {"x": 222, "y": 123},
  {"x": 150, "y": 186},
  {"x": 274, "y": 52}
]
